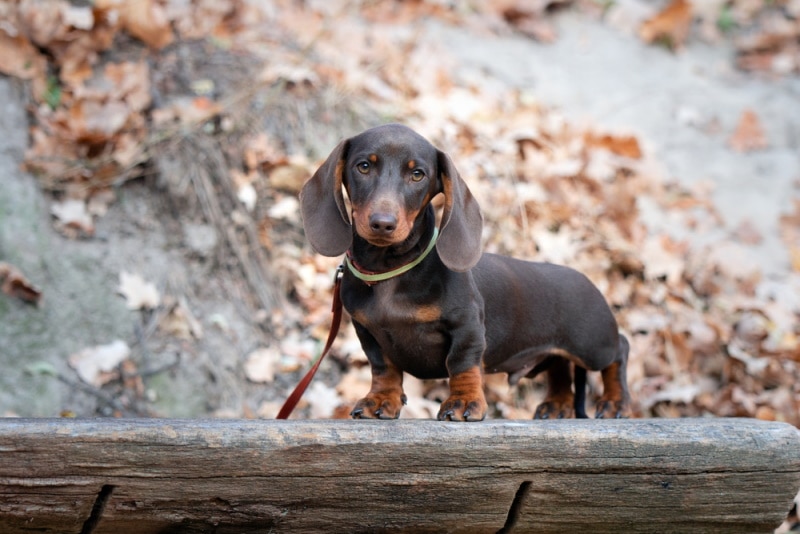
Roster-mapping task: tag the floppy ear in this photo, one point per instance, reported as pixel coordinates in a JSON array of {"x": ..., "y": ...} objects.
[
  {"x": 322, "y": 204},
  {"x": 459, "y": 243}
]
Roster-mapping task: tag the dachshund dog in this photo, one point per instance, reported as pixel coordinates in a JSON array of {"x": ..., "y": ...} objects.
[{"x": 426, "y": 301}]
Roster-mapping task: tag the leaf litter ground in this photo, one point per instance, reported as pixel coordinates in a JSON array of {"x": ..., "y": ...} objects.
[{"x": 228, "y": 106}]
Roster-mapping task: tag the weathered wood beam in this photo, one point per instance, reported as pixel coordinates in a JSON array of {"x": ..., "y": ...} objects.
[{"x": 150, "y": 475}]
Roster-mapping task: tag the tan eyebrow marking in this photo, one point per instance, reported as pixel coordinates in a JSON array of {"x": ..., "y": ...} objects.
[
  {"x": 373, "y": 158},
  {"x": 412, "y": 164}
]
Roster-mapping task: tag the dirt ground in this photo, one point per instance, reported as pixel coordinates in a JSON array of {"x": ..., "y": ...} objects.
[{"x": 682, "y": 106}]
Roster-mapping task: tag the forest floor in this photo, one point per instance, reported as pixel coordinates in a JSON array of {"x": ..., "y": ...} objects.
[{"x": 166, "y": 260}]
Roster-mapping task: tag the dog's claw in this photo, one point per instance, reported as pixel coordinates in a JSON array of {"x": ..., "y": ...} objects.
[
  {"x": 555, "y": 409},
  {"x": 612, "y": 409},
  {"x": 452, "y": 411},
  {"x": 377, "y": 407}
]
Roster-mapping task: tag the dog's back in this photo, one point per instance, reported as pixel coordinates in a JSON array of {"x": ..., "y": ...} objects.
[{"x": 534, "y": 309}]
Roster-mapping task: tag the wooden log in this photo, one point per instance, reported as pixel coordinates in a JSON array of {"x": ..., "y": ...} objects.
[{"x": 151, "y": 475}]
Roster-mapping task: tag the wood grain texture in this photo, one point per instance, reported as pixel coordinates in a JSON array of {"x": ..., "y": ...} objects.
[{"x": 151, "y": 475}]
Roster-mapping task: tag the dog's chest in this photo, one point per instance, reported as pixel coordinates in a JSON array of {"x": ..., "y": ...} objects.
[{"x": 386, "y": 305}]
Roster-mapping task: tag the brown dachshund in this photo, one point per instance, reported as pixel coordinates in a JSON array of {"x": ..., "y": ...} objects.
[{"x": 426, "y": 301}]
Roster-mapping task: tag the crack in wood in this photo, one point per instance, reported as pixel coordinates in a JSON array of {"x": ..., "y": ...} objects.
[
  {"x": 97, "y": 509},
  {"x": 516, "y": 507}
]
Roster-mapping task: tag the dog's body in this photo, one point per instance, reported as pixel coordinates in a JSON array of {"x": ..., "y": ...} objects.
[{"x": 457, "y": 313}]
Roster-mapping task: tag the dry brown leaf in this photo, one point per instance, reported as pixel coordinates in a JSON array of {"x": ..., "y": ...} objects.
[
  {"x": 794, "y": 257},
  {"x": 622, "y": 145},
  {"x": 290, "y": 177},
  {"x": 262, "y": 364},
  {"x": 97, "y": 122},
  {"x": 261, "y": 151},
  {"x": 14, "y": 284},
  {"x": 95, "y": 365},
  {"x": 201, "y": 18},
  {"x": 749, "y": 134},
  {"x": 672, "y": 23},
  {"x": 18, "y": 57},
  {"x": 664, "y": 258},
  {"x": 180, "y": 322},
  {"x": 130, "y": 82},
  {"x": 146, "y": 20}
]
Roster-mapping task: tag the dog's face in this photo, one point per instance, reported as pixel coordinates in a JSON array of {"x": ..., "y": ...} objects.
[{"x": 390, "y": 175}]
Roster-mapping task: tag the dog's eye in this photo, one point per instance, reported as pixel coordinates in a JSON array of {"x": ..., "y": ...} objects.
[
  {"x": 417, "y": 175},
  {"x": 363, "y": 167}
]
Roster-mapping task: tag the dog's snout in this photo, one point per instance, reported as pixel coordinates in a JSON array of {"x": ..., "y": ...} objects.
[{"x": 382, "y": 223}]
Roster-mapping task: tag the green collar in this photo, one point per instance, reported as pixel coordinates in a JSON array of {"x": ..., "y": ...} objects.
[{"x": 371, "y": 278}]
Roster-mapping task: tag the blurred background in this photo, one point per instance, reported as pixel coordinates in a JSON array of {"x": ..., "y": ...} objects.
[{"x": 152, "y": 257}]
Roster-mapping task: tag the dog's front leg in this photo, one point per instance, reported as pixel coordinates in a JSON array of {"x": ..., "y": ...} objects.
[
  {"x": 464, "y": 364},
  {"x": 385, "y": 398}
]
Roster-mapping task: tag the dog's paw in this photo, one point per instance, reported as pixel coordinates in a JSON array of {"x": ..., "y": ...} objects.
[
  {"x": 458, "y": 408},
  {"x": 612, "y": 409},
  {"x": 379, "y": 406},
  {"x": 555, "y": 409}
]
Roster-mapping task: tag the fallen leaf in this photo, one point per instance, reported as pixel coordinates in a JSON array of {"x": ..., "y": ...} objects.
[
  {"x": 129, "y": 81},
  {"x": 622, "y": 145},
  {"x": 94, "y": 365},
  {"x": 96, "y": 122},
  {"x": 73, "y": 215},
  {"x": 261, "y": 151},
  {"x": 747, "y": 233},
  {"x": 147, "y": 20},
  {"x": 41, "y": 368},
  {"x": 680, "y": 393},
  {"x": 663, "y": 258},
  {"x": 78, "y": 17},
  {"x": 749, "y": 134},
  {"x": 138, "y": 293},
  {"x": 180, "y": 322},
  {"x": 290, "y": 177},
  {"x": 261, "y": 364},
  {"x": 322, "y": 400},
  {"x": 672, "y": 23},
  {"x": 288, "y": 208},
  {"x": 18, "y": 57},
  {"x": 14, "y": 284},
  {"x": 355, "y": 384}
]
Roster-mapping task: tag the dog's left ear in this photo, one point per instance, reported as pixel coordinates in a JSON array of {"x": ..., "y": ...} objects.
[{"x": 459, "y": 243}]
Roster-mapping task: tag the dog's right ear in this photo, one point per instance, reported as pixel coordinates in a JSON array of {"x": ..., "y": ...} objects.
[{"x": 325, "y": 218}]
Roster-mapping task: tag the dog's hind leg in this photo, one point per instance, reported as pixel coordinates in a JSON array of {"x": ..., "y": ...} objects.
[
  {"x": 579, "y": 380},
  {"x": 559, "y": 401},
  {"x": 615, "y": 403}
]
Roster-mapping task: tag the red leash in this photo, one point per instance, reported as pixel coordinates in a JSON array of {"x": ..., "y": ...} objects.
[{"x": 336, "y": 308}]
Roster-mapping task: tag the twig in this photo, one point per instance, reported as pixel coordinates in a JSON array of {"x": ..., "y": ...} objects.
[{"x": 100, "y": 395}]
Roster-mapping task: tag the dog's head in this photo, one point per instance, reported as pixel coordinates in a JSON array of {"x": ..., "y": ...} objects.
[{"x": 391, "y": 174}]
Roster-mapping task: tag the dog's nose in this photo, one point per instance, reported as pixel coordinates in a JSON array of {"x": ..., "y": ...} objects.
[{"x": 382, "y": 223}]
